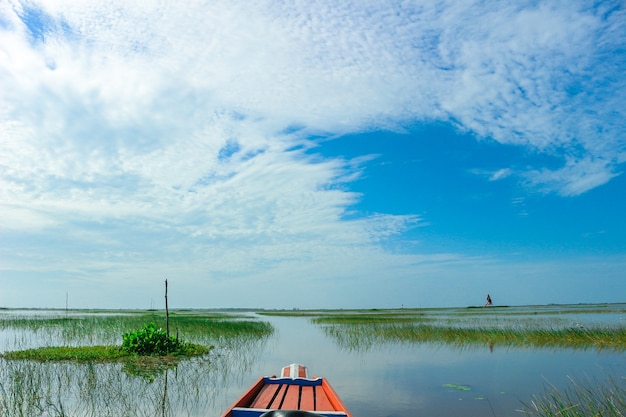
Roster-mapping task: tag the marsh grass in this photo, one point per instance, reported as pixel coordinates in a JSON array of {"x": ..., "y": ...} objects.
[
  {"x": 86, "y": 374},
  {"x": 96, "y": 354},
  {"x": 30, "y": 389},
  {"x": 357, "y": 331},
  {"x": 373, "y": 318},
  {"x": 496, "y": 327},
  {"x": 355, "y": 335},
  {"x": 106, "y": 328},
  {"x": 67, "y": 353},
  {"x": 96, "y": 337},
  {"x": 587, "y": 399}
]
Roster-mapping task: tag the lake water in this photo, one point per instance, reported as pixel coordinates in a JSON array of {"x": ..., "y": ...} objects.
[
  {"x": 403, "y": 379},
  {"x": 384, "y": 380}
]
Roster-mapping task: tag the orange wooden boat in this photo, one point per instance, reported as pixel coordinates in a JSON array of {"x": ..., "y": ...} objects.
[{"x": 293, "y": 394}]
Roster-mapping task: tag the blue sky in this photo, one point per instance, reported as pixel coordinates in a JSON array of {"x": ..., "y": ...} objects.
[{"x": 329, "y": 155}]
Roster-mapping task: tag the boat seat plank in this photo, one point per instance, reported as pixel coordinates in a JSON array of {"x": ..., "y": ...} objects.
[
  {"x": 275, "y": 404},
  {"x": 265, "y": 396},
  {"x": 293, "y": 390},
  {"x": 307, "y": 399},
  {"x": 292, "y": 398},
  {"x": 322, "y": 403}
]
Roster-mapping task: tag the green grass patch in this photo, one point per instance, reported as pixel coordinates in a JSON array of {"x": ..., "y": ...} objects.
[
  {"x": 98, "y": 353},
  {"x": 549, "y": 326},
  {"x": 372, "y": 318},
  {"x": 355, "y": 335},
  {"x": 77, "y": 354},
  {"x": 106, "y": 328},
  {"x": 364, "y": 329},
  {"x": 580, "y": 400},
  {"x": 112, "y": 336}
]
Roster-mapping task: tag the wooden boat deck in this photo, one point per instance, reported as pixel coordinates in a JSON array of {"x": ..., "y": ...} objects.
[
  {"x": 292, "y": 391},
  {"x": 288, "y": 394},
  {"x": 277, "y": 396}
]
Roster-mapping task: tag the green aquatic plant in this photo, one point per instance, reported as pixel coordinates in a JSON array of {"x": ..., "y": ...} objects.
[
  {"x": 359, "y": 335},
  {"x": 204, "y": 331},
  {"x": 148, "y": 341},
  {"x": 151, "y": 340},
  {"x": 86, "y": 327},
  {"x": 372, "y": 318},
  {"x": 580, "y": 400},
  {"x": 550, "y": 328},
  {"x": 69, "y": 353},
  {"x": 33, "y": 389},
  {"x": 82, "y": 370},
  {"x": 458, "y": 387},
  {"x": 147, "y": 362}
]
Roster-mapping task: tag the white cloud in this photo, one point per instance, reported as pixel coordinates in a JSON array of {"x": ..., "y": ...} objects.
[
  {"x": 500, "y": 174},
  {"x": 116, "y": 117},
  {"x": 576, "y": 177}
]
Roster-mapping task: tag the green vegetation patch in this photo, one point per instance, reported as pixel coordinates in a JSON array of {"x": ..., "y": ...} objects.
[
  {"x": 551, "y": 327},
  {"x": 105, "y": 328},
  {"x": 97, "y": 354},
  {"x": 151, "y": 340},
  {"x": 146, "y": 367},
  {"x": 353, "y": 336},
  {"x": 148, "y": 341},
  {"x": 361, "y": 330},
  {"x": 100, "y": 334},
  {"x": 458, "y": 387},
  {"x": 65, "y": 353},
  {"x": 580, "y": 400},
  {"x": 371, "y": 318}
]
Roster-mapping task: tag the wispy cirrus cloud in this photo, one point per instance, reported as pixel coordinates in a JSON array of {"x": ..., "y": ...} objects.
[{"x": 188, "y": 129}]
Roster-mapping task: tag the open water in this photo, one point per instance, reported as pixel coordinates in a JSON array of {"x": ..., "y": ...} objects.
[{"x": 383, "y": 380}]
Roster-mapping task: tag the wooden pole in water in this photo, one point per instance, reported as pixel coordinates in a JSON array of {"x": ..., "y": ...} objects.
[{"x": 167, "y": 313}]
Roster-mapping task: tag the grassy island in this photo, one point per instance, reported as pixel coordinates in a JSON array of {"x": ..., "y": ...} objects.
[{"x": 79, "y": 331}]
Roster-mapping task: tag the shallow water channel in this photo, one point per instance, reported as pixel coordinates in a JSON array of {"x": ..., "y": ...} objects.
[{"x": 380, "y": 380}]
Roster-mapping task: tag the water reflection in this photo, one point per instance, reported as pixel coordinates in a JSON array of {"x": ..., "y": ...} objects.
[
  {"x": 189, "y": 388},
  {"x": 378, "y": 377}
]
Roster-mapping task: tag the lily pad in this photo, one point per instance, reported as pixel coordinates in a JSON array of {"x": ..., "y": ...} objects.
[{"x": 458, "y": 387}]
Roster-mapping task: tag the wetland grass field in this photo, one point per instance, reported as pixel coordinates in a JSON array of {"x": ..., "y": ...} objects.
[
  {"x": 39, "y": 378},
  {"x": 69, "y": 363},
  {"x": 471, "y": 326}
]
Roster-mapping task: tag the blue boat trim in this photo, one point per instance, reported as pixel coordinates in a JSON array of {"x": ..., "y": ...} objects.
[
  {"x": 258, "y": 412},
  {"x": 304, "y": 382}
]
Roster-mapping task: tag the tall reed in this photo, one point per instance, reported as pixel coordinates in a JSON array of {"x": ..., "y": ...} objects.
[
  {"x": 106, "y": 328},
  {"x": 91, "y": 388},
  {"x": 355, "y": 331},
  {"x": 586, "y": 399}
]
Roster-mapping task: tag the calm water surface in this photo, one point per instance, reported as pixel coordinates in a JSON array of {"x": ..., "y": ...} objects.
[
  {"x": 386, "y": 380},
  {"x": 403, "y": 380}
]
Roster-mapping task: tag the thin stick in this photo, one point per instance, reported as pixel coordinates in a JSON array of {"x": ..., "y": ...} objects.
[{"x": 167, "y": 313}]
